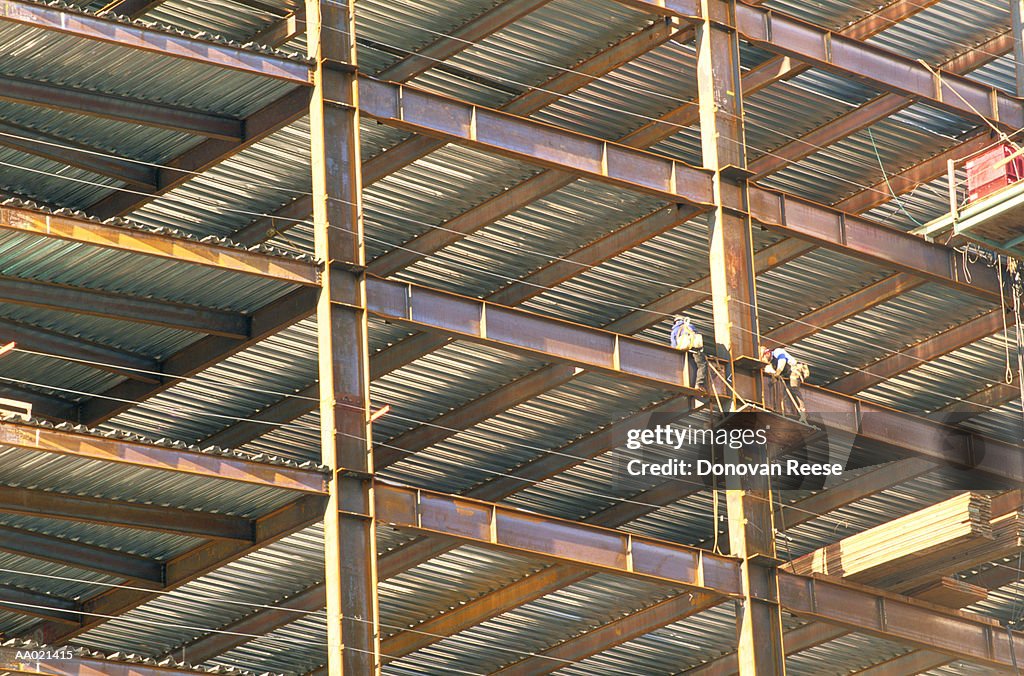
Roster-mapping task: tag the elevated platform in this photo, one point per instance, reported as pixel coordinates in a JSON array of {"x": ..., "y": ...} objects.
[{"x": 995, "y": 221}]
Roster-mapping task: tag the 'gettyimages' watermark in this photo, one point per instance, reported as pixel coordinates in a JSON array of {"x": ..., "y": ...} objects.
[
  {"x": 667, "y": 435},
  {"x": 724, "y": 437}
]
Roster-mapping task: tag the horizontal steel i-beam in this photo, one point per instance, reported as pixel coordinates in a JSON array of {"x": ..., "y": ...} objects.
[
  {"x": 533, "y": 141},
  {"x": 120, "y": 108},
  {"x": 561, "y": 540},
  {"x": 140, "y": 454},
  {"x": 919, "y": 436},
  {"x": 134, "y": 36},
  {"x": 532, "y": 334},
  {"x": 142, "y": 241}
]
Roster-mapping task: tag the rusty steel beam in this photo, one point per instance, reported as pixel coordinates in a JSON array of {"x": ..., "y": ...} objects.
[
  {"x": 481, "y": 609},
  {"x": 616, "y": 515},
  {"x": 285, "y": 29},
  {"x": 188, "y": 361},
  {"x": 471, "y": 413},
  {"x": 795, "y": 640},
  {"x": 732, "y": 275},
  {"x": 850, "y": 57},
  {"x": 900, "y": 618},
  {"x": 76, "y": 154},
  {"x": 916, "y": 662},
  {"x": 543, "y": 467},
  {"x": 842, "y": 308},
  {"x": 343, "y": 351},
  {"x": 37, "y": 604},
  {"x": 123, "y": 307},
  {"x": 69, "y": 552},
  {"x": 103, "y": 357},
  {"x": 980, "y": 402},
  {"x": 96, "y": 610},
  {"x": 138, "y": 240},
  {"x": 494, "y": 131},
  {"x": 921, "y": 352},
  {"x": 178, "y": 170},
  {"x": 663, "y": 494},
  {"x": 413, "y": 149},
  {"x": 138, "y": 454},
  {"x": 525, "y": 589},
  {"x": 153, "y": 40},
  {"x": 917, "y": 436},
  {"x": 282, "y": 411},
  {"x": 475, "y": 219},
  {"x": 668, "y": 179},
  {"x": 543, "y": 95},
  {"x": 864, "y": 239},
  {"x": 669, "y": 492},
  {"x": 907, "y": 179},
  {"x": 531, "y": 334},
  {"x": 447, "y": 46},
  {"x": 766, "y": 259},
  {"x": 124, "y": 514},
  {"x": 120, "y": 108},
  {"x": 609, "y": 635},
  {"x": 560, "y": 540},
  {"x": 865, "y": 115},
  {"x": 260, "y": 623},
  {"x": 816, "y": 633}
]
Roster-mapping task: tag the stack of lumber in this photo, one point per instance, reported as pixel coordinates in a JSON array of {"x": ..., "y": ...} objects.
[
  {"x": 938, "y": 539},
  {"x": 951, "y": 593}
]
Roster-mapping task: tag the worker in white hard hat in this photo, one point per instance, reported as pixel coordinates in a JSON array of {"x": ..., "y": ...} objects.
[{"x": 685, "y": 337}]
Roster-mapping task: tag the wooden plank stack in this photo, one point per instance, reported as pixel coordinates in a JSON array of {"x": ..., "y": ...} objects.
[{"x": 942, "y": 539}]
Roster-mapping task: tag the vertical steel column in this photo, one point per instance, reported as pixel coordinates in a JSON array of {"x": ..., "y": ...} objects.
[
  {"x": 749, "y": 505},
  {"x": 350, "y": 548},
  {"x": 1016, "y": 14}
]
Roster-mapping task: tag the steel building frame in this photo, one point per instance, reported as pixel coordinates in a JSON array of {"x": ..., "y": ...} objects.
[{"x": 328, "y": 97}]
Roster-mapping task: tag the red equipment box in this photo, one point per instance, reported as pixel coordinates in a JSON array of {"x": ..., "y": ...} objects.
[{"x": 989, "y": 171}]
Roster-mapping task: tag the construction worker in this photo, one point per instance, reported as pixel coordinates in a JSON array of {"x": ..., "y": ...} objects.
[
  {"x": 781, "y": 366},
  {"x": 685, "y": 337}
]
